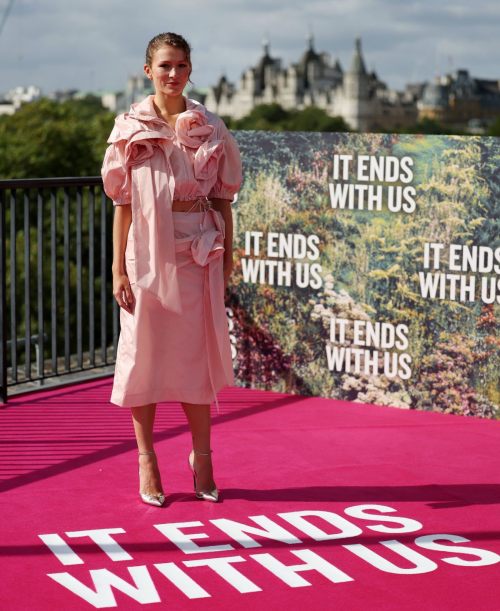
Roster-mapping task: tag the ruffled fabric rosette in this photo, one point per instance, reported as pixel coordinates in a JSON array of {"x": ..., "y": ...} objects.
[
  {"x": 207, "y": 246},
  {"x": 143, "y": 147},
  {"x": 193, "y": 131}
]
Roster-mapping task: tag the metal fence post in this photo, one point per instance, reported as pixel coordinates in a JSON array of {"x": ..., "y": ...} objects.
[{"x": 3, "y": 302}]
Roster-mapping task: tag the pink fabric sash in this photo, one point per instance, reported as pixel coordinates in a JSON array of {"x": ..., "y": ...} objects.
[
  {"x": 207, "y": 248},
  {"x": 147, "y": 153}
]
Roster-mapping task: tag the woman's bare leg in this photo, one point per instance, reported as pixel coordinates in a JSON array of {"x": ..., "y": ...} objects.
[
  {"x": 199, "y": 419},
  {"x": 143, "y": 418}
]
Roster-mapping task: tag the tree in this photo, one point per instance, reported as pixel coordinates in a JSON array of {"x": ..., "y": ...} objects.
[
  {"x": 430, "y": 126},
  {"x": 264, "y": 116},
  {"x": 314, "y": 119},
  {"x": 494, "y": 128},
  {"x": 46, "y": 139},
  {"x": 273, "y": 117}
]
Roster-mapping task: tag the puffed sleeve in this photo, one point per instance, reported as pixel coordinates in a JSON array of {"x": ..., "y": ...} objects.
[
  {"x": 115, "y": 175},
  {"x": 229, "y": 172}
]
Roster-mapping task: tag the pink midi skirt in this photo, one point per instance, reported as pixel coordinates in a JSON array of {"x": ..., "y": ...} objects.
[{"x": 165, "y": 356}]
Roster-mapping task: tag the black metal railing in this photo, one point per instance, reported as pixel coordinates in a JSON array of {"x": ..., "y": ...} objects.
[{"x": 55, "y": 290}]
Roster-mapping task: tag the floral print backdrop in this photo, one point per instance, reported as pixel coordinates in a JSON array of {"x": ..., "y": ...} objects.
[{"x": 370, "y": 262}]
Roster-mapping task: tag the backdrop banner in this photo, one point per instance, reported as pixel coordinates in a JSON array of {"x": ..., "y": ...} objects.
[{"x": 367, "y": 269}]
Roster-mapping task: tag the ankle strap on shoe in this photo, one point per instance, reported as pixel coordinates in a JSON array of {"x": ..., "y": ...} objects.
[
  {"x": 202, "y": 454},
  {"x": 147, "y": 452}
]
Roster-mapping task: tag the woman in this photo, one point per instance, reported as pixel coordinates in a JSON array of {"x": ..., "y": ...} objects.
[{"x": 172, "y": 169}]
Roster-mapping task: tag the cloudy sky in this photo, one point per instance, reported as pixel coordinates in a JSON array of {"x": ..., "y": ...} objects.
[{"x": 95, "y": 44}]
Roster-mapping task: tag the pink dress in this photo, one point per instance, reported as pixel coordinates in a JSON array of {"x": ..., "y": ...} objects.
[{"x": 175, "y": 344}]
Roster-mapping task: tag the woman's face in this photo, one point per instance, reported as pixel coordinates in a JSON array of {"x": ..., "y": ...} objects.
[{"x": 169, "y": 70}]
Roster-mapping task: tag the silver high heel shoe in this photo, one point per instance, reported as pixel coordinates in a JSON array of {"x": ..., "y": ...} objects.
[
  {"x": 152, "y": 499},
  {"x": 204, "y": 495}
]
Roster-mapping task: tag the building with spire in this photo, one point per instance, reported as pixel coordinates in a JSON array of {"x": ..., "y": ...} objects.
[{"x": 357, "y": 95}]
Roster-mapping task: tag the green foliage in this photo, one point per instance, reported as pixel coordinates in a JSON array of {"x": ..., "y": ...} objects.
[
  {"x": 430, "y": 126},
  {"x": 371, "y": 262},
  {"x": 494, "y": 128},
  {"x": 314, "y": 119},
  {"x": 263, "y": 116},
  {"x": 273, "y": 117},
  {"x": 445, "y": 381},
  {"x": 488, "y": 233},
  {"x": 47, "y": 139}
]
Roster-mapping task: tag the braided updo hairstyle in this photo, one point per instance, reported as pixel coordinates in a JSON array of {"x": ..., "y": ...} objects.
[{"x": 173, "y": 40}]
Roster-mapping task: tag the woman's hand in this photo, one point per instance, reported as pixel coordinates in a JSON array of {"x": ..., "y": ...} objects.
[
  {"x": 121, "y": 287},
  {"x": 228, "y": 268}
]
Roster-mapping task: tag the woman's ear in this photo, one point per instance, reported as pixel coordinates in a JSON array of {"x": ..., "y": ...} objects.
[{"x": 147, "y": 70}]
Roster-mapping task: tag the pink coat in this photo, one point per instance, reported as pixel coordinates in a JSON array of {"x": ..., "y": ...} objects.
[{"x": 149, "y": 165}]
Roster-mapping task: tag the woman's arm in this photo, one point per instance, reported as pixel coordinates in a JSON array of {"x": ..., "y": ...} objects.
[
  {"x": 224, "y": 207},
  {"x": 121, "y": 284}
]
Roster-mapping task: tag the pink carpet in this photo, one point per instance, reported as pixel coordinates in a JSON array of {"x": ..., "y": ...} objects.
[{"x": 324, "y": 505}]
